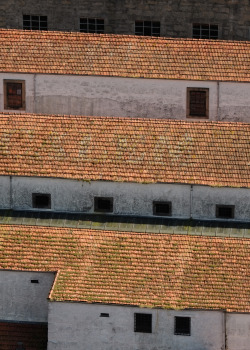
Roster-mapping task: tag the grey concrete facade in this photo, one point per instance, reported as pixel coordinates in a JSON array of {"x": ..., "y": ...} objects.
[
  {"x": 176, "y": 17},
  {"x": 127, "y": 97},
  {"x": 24, "y": 295},
  {"x": 197, "y": 202},
  {"x": 74, "y": 326}
]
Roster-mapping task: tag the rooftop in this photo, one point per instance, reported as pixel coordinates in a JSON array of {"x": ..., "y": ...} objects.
[
  {"x": 125, "y": 149},
  {"x": 166, "y": 270},
  {"x": 123, "y": 56}
]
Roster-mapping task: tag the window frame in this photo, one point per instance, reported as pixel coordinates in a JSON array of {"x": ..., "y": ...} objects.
[
  {"x": 188, "y": 108},
  {"x": 226, "y": 206},
  {"x": 95, "y": 19},
  {"x": 32, "y": 19},
  {"x": 202, "y": 28},
  {"x": 176, "y": 332},
  {"x": 96, "y": 206},
  {"x": 155, "y": 203},
  {"x": 5, "y": 89},
  {"x": 138, "y": 328},
  {"x": 143, "y": 26},
  {"x": 35, "y": 194}
]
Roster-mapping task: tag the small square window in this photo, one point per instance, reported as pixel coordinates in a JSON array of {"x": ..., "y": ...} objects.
[
  {"x": 205, "y": 31},
  {"x": 162, "y": 208},
  {"x": 41, "y": 200},
  {"x": 197, "y": 103},
  {"x": 182, "y": 326},
  {"x": 31, "y": 22},
  {"x": 225, "y": 211},
  {"x": 14, "y": 94},
  {"x": 143, "y": 323},
  {"x": 147, "y": 28},
  {"x": 103, "y": 204},
  {"x": 92, "y": 25}
]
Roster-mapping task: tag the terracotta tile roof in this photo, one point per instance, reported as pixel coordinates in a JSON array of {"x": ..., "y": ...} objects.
[
  {"x": 125, "y": 149},
  {"x": 123, "y": 56},
  {"x": 15, "y": 334},
  {"x": 154, "y": 270}
]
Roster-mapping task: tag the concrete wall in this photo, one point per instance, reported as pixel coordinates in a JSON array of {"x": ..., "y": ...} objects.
[
  {"x": 176, "y": 17},
  {"x": 128, "y": 97},
  {"x": 77, "y": 326},
  {"x": 198, "y": 202},
  {"x": 21, "y": 300}
]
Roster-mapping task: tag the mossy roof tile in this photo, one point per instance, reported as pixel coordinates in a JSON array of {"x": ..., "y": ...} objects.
[
  {"x": 123, "y": 55},
  {"x": 125, "y": 149}
]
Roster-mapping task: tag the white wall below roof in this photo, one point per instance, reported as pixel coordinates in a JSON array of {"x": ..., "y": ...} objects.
[
  {"x": 74, "y": 326},
  {"x": 128, "y": 198},
  {"x": 127, "y": 97},
  {"x": 21, "y": 300},
  {"x": 206, "y": 198}
]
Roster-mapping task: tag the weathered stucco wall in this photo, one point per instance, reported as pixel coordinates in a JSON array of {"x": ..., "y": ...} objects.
[
  {"x": 205, "y": 199},
  {"x": 21, "y": 300},
  {"x": 128, "y": 97},
  {"x": 198, "y": 202},
  {"x": 77, "y": 326},
  {"x": 176, "y": 17}
]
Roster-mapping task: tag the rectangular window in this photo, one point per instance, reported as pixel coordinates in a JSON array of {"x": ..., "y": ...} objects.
[
  {"x": 162, "y": 208},
  {"x": 197, "y": 103},
  {"x": 182, "y": 326},
  {"x": 14, "y": 94},
  {"x": 147, "y": 28},
  {"x": 143, "y": 323},
  {"x": 92, "y": 25},
  {"x": 31, "y": 22},
  {"x": 103, "y": 204},
  {"x": 205, "y": 31},
  {"x": 41, "y": 200},
  {"x": 225, "y": 211}
]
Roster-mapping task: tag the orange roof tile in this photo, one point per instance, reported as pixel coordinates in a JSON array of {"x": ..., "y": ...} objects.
[
  {"x": 125, "y": 149},
  {"x": 143, "y": 269},
  {"x": 123, "y": 56}
]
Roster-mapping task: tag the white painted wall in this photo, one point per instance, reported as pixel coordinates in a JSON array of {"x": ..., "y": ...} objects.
[
  {"x": 128, "y": 97},
  {"x": 238, "y": 329},
  {"x": 78, "y": 196},
  {"x": 21, "y": 300},
  {"x": 205, "y": 199},
  {"x": 74, "y": 326},
  {"x": 129, "y": 198}
]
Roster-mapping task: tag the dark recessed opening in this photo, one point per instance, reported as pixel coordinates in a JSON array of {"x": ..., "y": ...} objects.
[
  {"x": 143, "y": 323},
  {"x": 41, "y": 200},
  {"x": 34, "y": 281},
  {"x": 162, "y": 208},
  {"x": 103, "y": 314},
  {"x": 182, "y": 326},
  {"x": 103, "y": 204},
  {"x": 225, "y": 211}
]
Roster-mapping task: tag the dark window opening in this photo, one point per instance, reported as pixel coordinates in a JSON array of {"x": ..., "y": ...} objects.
[
  {"x": 143, "y": 323},
  {"x": 41, "y": 201},
  {"x": 14, "y": 94},
  {"x": 197, "y": 103},
  {"x": 147, "y": 28},
  {"x": 205, "y": 31},
  {"x": 34, "y": 281},
  {"x": 103, "y": 314},
  {"x": 35, "y": 22},
  {"x": 103, "y": 204},
  {"x": 162, "y": 208},
  {"x": 225, "y": 211},
  {"x": 92, "y": 25},
  {"x": 182, "y": 326}
]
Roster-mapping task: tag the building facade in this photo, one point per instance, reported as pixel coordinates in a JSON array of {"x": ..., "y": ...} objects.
[{"x": 227, "y": 19}]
